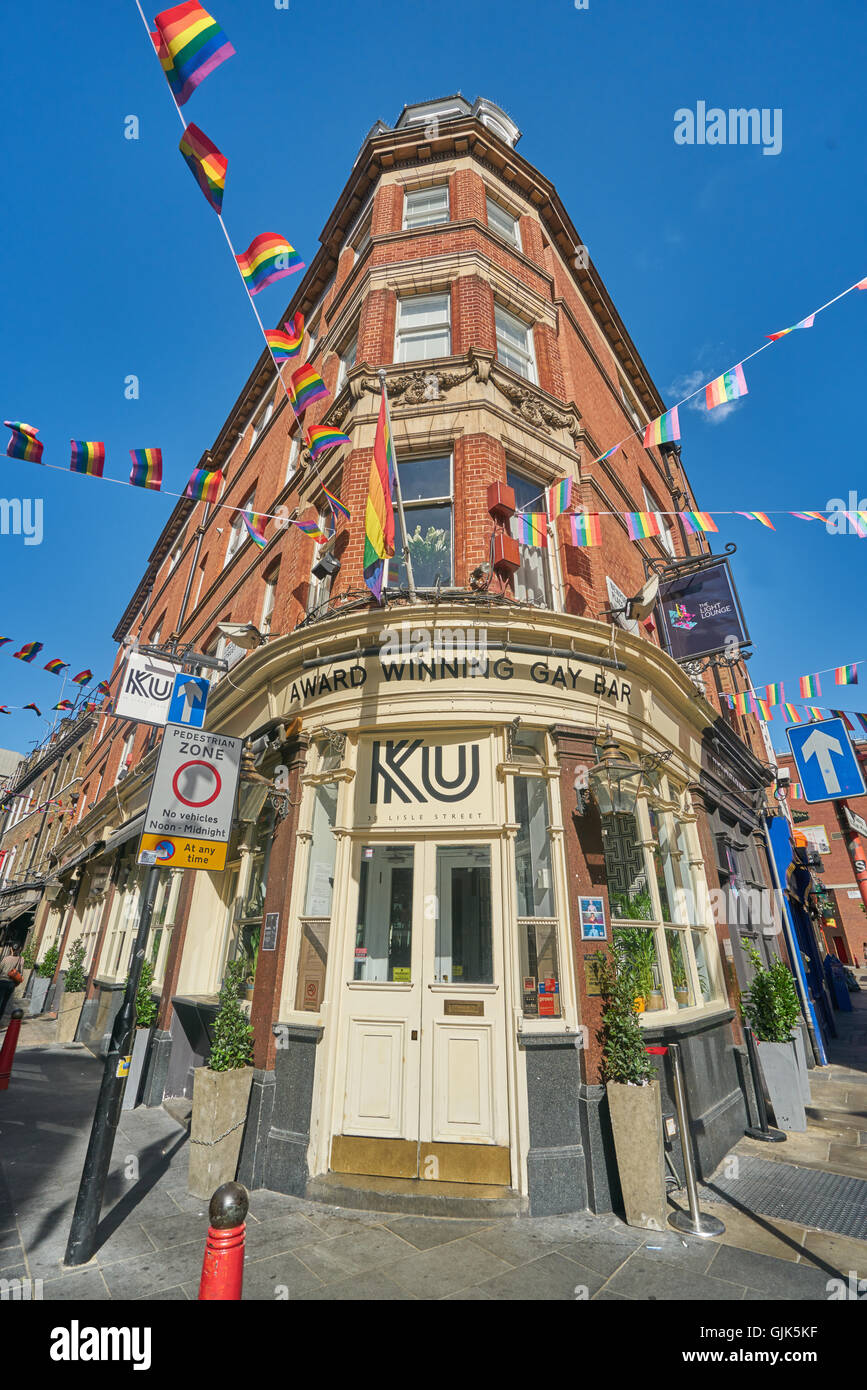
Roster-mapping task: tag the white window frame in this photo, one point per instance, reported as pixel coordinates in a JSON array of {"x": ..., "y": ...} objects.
[
  {"x": 527, "y": 355},
  {"x": 403, "y": 337},
  {"x": 666, "y": 538},
  {"x": 125, "y": 753},
  {"x": 269, "y": 600},
  {"x": 294, "y": 452},
  {"x": 512, "y": 237},
  {"x": 348, "y": 358},
  {"x": 411, "y": 222}
]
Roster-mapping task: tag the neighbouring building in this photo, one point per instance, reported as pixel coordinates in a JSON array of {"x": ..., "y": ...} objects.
[{"x": 419, "y": 909}]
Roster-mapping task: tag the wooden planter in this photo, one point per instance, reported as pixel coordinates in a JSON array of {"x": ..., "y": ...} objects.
[
  {"x": 636, "y": 1120},
  {"x": 219, "y": 1113},
  {"x": 68, "y": 1014}
]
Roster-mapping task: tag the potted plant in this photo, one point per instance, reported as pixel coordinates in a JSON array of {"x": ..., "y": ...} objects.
[
  {"x": 146, "y": 1008},
  {"x": 221, "y": 1091},
  {"x": 772, "y": 1011},
  {"x": 28, "y": 965},
  {"x": 71, "y": 1000},
  {"x": 679, "y": 977},
  {"x": 251, "y": 957},
  {"x": 640, "y": 954},
  {"x": 632, "y": 1092},
  {"x": 44, "y": 975}
]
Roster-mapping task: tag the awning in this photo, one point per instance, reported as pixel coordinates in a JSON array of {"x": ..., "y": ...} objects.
[
  {"x": 80, "y": 858},
  {"x": 131, "y": 828},
  {"x": 10, "y": 911}
]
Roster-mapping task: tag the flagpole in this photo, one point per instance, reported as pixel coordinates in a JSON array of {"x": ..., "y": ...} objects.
[{"x": 410, "y": 578}]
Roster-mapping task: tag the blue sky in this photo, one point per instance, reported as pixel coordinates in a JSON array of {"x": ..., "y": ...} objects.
[{"x": 115, "y": 264}]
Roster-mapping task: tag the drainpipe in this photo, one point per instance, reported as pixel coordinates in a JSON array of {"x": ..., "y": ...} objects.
[{"x": 795, "y": 954}]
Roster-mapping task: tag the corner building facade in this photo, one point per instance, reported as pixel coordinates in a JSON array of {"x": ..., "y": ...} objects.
[{"x": 420, "y": 909}]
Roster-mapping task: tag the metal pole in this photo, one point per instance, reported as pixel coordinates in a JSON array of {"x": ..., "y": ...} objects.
[
  {"x": 88, "y": 1204},
  {"x": 791, "y": 938},
  {"x": 410, "y": 579},
  {"x": 694, "y": 1222},
  {"x": 764, "y": 1131}
]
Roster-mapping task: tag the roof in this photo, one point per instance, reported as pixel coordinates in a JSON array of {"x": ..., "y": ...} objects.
[{"x": 9, "y": 760}]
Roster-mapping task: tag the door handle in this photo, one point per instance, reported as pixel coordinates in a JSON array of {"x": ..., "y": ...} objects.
[{"x": 414, "y": 1035}]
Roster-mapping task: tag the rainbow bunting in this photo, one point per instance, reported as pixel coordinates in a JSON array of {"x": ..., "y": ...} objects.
[
  {"x": 312, "y": 529},
  {"x": 268, "y": 258},
  {"x": 147, "y": 468},
  {"x": 336, "y": 505},
  {"x": 862, "y": 720},
  {"x": 585, "y": 529},
  {"x": 82, "y": 678},
  {"x": 190, "y": 45},
  {"x": 286, "y": 342},
  {"x": 64, "y": 704},
  {"x": 775, "y": 694},
  {"x": 33, "y": 707},
  {"x": 90, "y": 706},
  {"x": 795, "y": 791},
  {"x": 206, "y": 164},
  {"x": 792, "y": 713},
  {"x": 640, "y": 525},
  {"x": 4, "y": 640},
  {"x": 664, "y": 430},
  {"x": 855, "y": 520},
  {"x": 379, "y": 511},
  {"x": 608, "y": 453},
  {"x": 810, "y": 516},
  {"x": 846, "y": 675},
  {"x": 531, "y": 528},
  {"x": 727, "y": 387},
  {"x": 305, "y": 387},
  {"x": 815, "y": 713},
  {"x": 103, "y": 688},
  {"x": 841, "y": 714},
  {"x": 742, "y": 701},
  {"x": 56, "y": 666},
  {"x": 697, "y": 521},
  {"x": 809, "y": 687},
  {"x": 805, "y": 323},
  {"x": 29, "y": 651},
  {"x": 255, "y": 525},
  {"x": 23, "y": 444},
  {"x": 765, "y": 712},
  {"x": 87, "y": 457},
  {"x": 204, "y": 485},
  {"x": 321, "y": 438},
  {"x": 559, "y": 497},
  {"x": 4, "y": 709},
  {"x": 758, "y": 516}
]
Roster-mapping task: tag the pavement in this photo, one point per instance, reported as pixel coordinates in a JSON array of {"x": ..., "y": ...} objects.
[{"x": 152, "y": 1233}]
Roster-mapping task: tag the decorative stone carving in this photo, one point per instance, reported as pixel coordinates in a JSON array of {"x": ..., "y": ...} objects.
[
  {"x": 414, "y": 388},
  {"x": 531, "y": 407}
]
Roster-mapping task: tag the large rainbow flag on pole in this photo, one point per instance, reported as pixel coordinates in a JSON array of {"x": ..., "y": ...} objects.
[
  {"x": 190, "y": 45},
  {"x": 379, "y": 513}
]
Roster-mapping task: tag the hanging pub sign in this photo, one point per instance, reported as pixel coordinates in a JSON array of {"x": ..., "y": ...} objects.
[{"x": 699, "y": 614}]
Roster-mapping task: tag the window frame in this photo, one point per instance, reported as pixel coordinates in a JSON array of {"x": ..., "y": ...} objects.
[
  {"x": 418, "y": 504},
  {"x": 545, "y": 552},
  {"x": 408, "y": 193},
  {"x": 513, "y": 241},
  {"x": 532, "y": 375},
  {"x": 404, "y": 336},
  {"x": 666, "y": 538}
]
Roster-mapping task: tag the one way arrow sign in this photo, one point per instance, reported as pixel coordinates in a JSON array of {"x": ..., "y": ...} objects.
[{"x": 827, "y": 765}]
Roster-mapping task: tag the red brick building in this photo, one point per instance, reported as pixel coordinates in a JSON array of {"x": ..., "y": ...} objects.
[{"x": 434, "y": 883}]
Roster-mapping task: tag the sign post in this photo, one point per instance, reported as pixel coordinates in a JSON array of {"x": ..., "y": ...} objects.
[{"x": 854, "y": 827}]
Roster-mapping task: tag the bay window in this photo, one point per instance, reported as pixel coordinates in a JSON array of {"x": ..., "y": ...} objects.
[
  {"x": 531, "y": 583},
  {"x": 426, "y": 487},
  {"x": 426, "y": 207},
  {"x": 423, "y": 328},
  {"x": 515, "y": 343}
]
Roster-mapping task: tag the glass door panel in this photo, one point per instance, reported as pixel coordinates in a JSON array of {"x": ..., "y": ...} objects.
[
  {"x": 463, "y": 932},
  {"x": 383, "y": 938}
]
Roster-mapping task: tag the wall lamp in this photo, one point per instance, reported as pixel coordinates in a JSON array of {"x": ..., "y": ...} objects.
[{"x": 615, "y": 781}]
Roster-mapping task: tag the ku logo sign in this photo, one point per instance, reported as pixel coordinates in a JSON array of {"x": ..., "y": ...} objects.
[{"x": 390, "y": 776}]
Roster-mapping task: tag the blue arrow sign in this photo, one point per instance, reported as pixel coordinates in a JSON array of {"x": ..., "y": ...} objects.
[
  {"x": 828, "y": 768},
  {"x": 189, "y": 701}
]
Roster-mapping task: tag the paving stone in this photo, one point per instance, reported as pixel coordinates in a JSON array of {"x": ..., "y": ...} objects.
[
  {"x": 264, "y": 1204},
  {"x": 840, "y": 1253},
  {"x": 334, "y": 1221},
  {"x": 127, "y": 1241},
  {"x": 79, "y": 1285},
  {"x": 774, "y": 1278},
  {"x": 517, "y": 1242},
  {"x": 147, "y": 1274},
  {"x": 178, "y": 1229},
  {"x": 474, "y": 1295},
  {"x": 424, "y": 1232},
  {"x": 12, "y": 1255},
  {"x": 653, "y": 1280},
  {"x": 766, "y": 1235},
  {"x": 280, "y": 1233},
  {"x": 364, "y": 1248},
  {"x": 552, "y": 1278},
  {"x": 603, "y": 1254},
  {"x": 18, "y": 1271},
  {"x": 375, "y": 1287},
  {"x": 176, "y": 1295},
  {"x": 446, "y": 1269},
  {"x": 278, "y": 1277}
]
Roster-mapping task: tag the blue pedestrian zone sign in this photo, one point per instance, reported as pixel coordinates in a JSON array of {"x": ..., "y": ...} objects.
[
  {"x": 827, "y": 765},
  {"x": 189, "y": 701}
]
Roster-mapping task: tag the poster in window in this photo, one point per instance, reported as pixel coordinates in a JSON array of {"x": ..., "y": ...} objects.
[
  {"x": 592, "y": 913},
  {"x": 700, "y": 614}
]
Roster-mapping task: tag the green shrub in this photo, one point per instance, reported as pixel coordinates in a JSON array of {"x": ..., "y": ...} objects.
[
  {"x": 28, "y": 956},
  {"x": 48, "y": 964},
  {"x": 624, "y": 1059},
  {"x": 76, "y": 975},
  {"x": 771, "y": 1007},
  {"x": 233, "y": 1036},
  {"x": 146, "y": 1007}
]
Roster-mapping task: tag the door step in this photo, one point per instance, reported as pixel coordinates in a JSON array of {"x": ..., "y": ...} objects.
[{"x": 415, "y": 1196}]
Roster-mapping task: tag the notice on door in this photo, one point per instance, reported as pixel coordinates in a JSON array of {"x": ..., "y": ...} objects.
[{"x": 192, "y": 800}]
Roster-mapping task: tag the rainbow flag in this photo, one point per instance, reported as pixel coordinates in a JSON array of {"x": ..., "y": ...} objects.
[
  {"x": 665, "y": 430},
  {"x": 29, "y": 651},
  {"x": 204, "y": 485},
  {"x": 559, "y": 497},
  {"x": 810, "y": 516},
  {"x": 727, "y": 387},
  {"x": 585, "y": 528},
  {"x": 758, "y": 516},
  {"x": 697, "y": 521},
  {"x": 841, "y": 714},
  {"x": 805, "y": 323},
  {"x": 33, "y": 707},
  {"x": 286, "y": 342},
  {"x": 4, "y": 709},
  {"x": 56, "y": 666},
  {"x": 742, "y": 701},
  {"x": 23, "y": 444},
  {"x": 320, "y": 438},
  {"x": 305, "y": 387},
  {"x": 809, "y": 686},
  {"x": 792, "y": 713},
  {"x": 4, "y": 640},
  {"x": 147, "y": 468},
  {"x": 207, "y": 165},
  {"x": 64, "y": 704},
  {"x": 336, "y": 505},
  {"x": 765, "y": 713},
  {"x": 268, "y": 258},
  {"x": 815, "y": 713},
  {"x": 775, "y": 694},
  {"x": 795, "y": 791},
  {"x": 190, "y": 45},
  {"x": 82, "y": 678},
  {"x": 855, "y": 520},
  {"x": 531, "y": 528},
  {"x": 846, "y": 675},
  {"x": 311, "y": 528},
  {"x": 87, "y": 457},
  {"x": 379, "y": 512},
  {"x": 608, "y": 453},
  {"x": 255, "y": 525},
  {"x": 640, "y": 525},
  {"x": 90, "y": 706},
  {"x": 103, "y": 688}
]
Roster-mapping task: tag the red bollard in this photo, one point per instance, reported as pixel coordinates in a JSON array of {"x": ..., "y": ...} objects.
[
  {"x": 7, "y": 1052},
  {"x": 223, "y": 1266}
]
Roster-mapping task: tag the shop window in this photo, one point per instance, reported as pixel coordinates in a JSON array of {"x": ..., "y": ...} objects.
[
  {"x": 423, "y": 328},
  {"x": 503, "y": 223},
  {"x": 532, "y": 582},
  {"x": 426, "y": 207},
  {"x": 316, "y": 916},
  {"x": 537, "y": 922},
  {"x": 426, "y": 486},
  {"x": 515, "y": 343}
]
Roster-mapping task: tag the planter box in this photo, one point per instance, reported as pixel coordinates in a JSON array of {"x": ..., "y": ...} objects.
[
  {"x": 219, "y": 1113},
  {"x": 636, "y": 1121},
  {"x": 801, "y": 1059},
  {"x": 38, "y": 995},
  {"x": 141, "y": 1044},
  {"x": 780, "y": 1070},
  {"x": 68, "y": 1014}
]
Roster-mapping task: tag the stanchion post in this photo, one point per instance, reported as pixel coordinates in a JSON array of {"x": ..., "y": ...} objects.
[
  {"x": 693, "y": 1222},
  {"x": 223, "y": 1265}
]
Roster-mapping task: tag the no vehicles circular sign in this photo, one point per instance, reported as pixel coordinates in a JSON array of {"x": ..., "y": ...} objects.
[{"x": 197, "y": 783}]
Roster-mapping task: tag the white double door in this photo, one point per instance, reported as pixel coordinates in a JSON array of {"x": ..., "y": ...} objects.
[{"x": 423, "y": 1054}]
